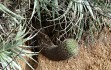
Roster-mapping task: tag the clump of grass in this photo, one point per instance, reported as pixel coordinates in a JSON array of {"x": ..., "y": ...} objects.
[
  {"x": 11, "y": 50},
  {"x": 12, "y": 40},
  {"x": 79, "y": 16}
]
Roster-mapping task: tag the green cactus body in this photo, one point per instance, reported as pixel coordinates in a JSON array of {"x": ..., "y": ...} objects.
[{"x": 67, "y": 49}]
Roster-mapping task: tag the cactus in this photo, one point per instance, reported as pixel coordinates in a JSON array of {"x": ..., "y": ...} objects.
[{"x": 68, "y": 48}]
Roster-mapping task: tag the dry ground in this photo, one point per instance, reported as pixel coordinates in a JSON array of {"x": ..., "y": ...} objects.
[{"x": 94, "y": 57}]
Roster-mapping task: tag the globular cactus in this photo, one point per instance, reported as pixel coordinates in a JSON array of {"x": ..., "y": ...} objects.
[{"x": 67, "y": 49}]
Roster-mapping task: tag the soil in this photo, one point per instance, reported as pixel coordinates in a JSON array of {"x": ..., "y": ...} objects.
[{"x": 94, "y": 57}]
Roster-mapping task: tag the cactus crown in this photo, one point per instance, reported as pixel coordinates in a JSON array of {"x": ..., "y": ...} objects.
[{"x": 70, "y": 45}]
